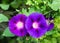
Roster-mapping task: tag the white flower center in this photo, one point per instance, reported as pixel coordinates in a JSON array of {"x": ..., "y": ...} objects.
[
  {"x": 35, "y": 25},
  {"x": 19, "y": 25}
]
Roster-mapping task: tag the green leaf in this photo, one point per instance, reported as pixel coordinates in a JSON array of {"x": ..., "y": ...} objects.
[
  {"x": 15, "y": 4},
  {"x": 57, "y": 22},
  {"x": 31, "y": 10},
  {"x": 24, "y": 11},
  {"x": 3, "y": 18},
  {"x": 20, "y": 40},
  {"x": 29, "y": 2},
  {"x": 57, "y": 34},
  {"x": 53, "y": 40},
  {"x": 34, "y": 40},
  {"x": 46, "y": 41},
  {"x": 4, "y": 6},
  {"x": 7, "y": 33},
  {"x": 55, "y": 5},
  {"x": 58, "y": 39},
  {"x": 27, "y": 13},
  {"x": 50, "y": 32}
]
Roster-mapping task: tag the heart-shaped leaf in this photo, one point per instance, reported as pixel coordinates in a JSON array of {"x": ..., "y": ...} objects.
[
  {"x": 3, "y": 18},
  {"x": 4, "y": 6},
  {"x": 7, "y": 33}
]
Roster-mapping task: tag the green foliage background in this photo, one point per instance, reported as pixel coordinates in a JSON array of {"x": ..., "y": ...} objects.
[{"x": 9, "y": 8}]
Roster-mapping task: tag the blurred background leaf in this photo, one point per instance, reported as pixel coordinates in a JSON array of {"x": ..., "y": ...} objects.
[
  {"x": 7, "y": 33},
  {"x": 4, "y": 6},
  {"x": 55, "y": 5},
  {"x": 3, "y": 18},
  {"x": 15, "y": 4}
]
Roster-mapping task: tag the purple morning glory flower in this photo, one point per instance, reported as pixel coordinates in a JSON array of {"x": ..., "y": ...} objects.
[
  {"x": 17, "y": 25},
  {"x": 36, "y": 25},
  {"x": 50, "y": 24}
]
